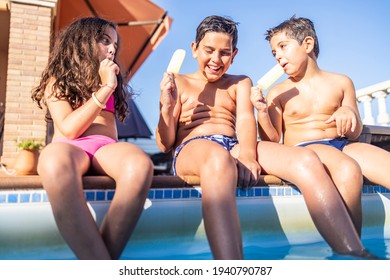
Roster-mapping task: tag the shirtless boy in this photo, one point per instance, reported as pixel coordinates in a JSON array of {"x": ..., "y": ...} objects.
[
  {"x": 203, "y": 117},
  {"x": 318, "y": 110}
]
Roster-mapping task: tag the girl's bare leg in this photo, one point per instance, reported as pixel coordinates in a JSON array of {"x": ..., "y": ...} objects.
[
  {"x": 132, "y": 171},
  {"x": 61, "y": 167},
  {"x": 218, "y": 179}
]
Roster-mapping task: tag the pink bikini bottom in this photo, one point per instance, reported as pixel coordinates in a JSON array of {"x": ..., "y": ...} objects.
[{"x": 90, "y": 144}]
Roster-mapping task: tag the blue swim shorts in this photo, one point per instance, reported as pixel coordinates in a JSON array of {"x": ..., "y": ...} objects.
[
  {"x": 338, "y": 143},
  {"x": 225, "y": 141}
]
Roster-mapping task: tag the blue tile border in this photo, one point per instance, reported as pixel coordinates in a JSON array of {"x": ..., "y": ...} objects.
[{"x": 39, "y": 196}]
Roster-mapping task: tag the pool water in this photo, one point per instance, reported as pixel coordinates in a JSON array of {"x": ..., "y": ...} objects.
[
  {"x": 200, "y": 251},
  {"x": 311, "y": 251},
  {"x": 171, "y": 227}
]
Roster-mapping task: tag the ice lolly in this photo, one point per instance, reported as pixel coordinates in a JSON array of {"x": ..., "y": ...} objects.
[
  {"x": 176, "y": 61},
  {"x": 270, "y": 77}
]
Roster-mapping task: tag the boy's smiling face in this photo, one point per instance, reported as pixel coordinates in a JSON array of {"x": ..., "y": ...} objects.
[{"x": 215, "y": 54}]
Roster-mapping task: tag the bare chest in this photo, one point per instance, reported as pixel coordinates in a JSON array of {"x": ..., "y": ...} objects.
[
  {"x": 213, "y": 102},
  {"x": 303, "y": 105}
]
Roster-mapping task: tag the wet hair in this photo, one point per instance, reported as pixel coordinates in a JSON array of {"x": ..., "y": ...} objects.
[
  {"x": 74, "y": 64},
  {"x": 297, "y": 29},
  {"x": 217, "y": 24}
]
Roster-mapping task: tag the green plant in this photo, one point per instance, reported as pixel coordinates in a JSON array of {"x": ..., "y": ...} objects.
[{"x": 30, "y": 144}]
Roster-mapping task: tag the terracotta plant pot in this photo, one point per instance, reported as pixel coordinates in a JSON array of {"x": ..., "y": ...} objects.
[{"x": 26, "y": 162}]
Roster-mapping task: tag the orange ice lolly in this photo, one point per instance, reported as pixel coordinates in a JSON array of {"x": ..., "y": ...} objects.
[
  {"x": 176, "y": 61},
  {"x": 270, "y": 77}
]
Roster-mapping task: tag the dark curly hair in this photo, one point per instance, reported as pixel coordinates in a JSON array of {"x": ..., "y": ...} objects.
[{"x": 74, "y": 64}]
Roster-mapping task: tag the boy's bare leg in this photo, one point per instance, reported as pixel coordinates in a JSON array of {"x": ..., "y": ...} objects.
[
  {"x": 218, "y": 180},
  {"x": 61, "y": 167},
  {"x": 303, "y": 168},
  {"x": 374, "y": 162},
  {"x": 132, "y": 171},
  {"x": 347, "y": 175}
]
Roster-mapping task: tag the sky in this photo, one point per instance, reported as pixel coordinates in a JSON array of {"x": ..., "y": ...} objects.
[{"x": 354, "y": 39}]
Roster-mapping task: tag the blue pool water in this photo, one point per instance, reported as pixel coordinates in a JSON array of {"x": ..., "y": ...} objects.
[
  {"x": 313, "y": 251},
  {"x": 171, "y": 227},
  {"x": 174, "y": 251}
]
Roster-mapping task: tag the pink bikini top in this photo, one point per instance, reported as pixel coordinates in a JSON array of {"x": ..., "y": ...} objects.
[{"x": 110, "y": 105}]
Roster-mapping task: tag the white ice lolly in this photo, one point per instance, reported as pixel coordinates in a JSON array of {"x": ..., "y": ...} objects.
[
  {"x": 270, "y": 77},
  {"x": 176, "y": 61}
]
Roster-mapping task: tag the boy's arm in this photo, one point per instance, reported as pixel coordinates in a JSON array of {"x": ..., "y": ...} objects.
[
  {"x": 269, "y": 118},
  {"x": 246, "y": 134},
  {"x": 169, "y": 113},
  {"x": 347, "y": 117}
]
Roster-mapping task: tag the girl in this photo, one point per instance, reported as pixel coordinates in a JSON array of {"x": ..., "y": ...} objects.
[{"x": 83, "y": 91}]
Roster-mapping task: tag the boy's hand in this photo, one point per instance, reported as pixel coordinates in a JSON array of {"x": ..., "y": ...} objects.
[
  {"x": 168, "y": 90},
  {"x": 248, "y": 172},
  {"x": 345, "y": 119},
  {"x": 258, "y": 100}
]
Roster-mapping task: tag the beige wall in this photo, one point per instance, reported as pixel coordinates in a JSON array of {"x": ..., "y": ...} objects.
[{"x": 30, "y": 32}]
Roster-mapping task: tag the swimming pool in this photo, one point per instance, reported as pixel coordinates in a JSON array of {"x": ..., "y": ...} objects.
[{"x": 274, "y": 221}]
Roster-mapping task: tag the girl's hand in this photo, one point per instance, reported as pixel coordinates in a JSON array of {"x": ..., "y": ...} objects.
[{"x": 108, "y": 71}]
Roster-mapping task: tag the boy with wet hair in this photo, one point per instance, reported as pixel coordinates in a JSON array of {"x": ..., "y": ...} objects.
[
  {"x": 207, "y": 119},
  {"x": 317, "y": 109}
]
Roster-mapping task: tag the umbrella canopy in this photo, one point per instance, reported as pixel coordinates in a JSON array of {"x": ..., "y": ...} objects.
[
  {"x": 141, "y": 26},
  {"x": 134, "y": 125}
]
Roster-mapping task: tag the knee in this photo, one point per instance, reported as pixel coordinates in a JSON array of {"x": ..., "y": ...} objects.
[
  {"x": 59, "y": 172},
  {"x": 308, "y": 162},
  {"x": 54, "y": 165},
  {"x": 219, "y": 174},
  {"x": 349, "y": 173},
  {"x": 137, "y": 168},
  {"x": 142, "y": 165},
  {"x": 219, "y": 162}
]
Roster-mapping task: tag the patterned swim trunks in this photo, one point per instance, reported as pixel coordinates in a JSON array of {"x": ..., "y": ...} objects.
[{"x": 225, "y": 141}]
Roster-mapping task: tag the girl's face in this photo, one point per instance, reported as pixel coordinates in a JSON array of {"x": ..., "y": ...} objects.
[
  {"x": 215, "y": 54},
  {"x": 288, "y": 53},
  {"x": 108, "y": 45}
]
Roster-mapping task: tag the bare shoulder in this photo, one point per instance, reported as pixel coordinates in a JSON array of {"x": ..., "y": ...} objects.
[
  {"x": 337, "y": 78},
  {"x": 235, "y": 79},
  {"x": 49, "y": 89},
  {"x": 279, "y": 88}
]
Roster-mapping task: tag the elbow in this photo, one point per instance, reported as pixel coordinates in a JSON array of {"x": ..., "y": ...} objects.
[
  {"x": 277, "y": 138},
  {"x": 69, "y": 134},
  {"x": 163, "y": 148},
  {"x": 161, "y": 145},
  {"x": 271, "y": 138}
]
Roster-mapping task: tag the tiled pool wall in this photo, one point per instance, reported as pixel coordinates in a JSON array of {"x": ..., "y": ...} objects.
[{"x": 39, "y": 196}]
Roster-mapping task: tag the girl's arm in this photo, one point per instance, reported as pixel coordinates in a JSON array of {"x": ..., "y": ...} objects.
[{"x": 73, "y": 123}]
